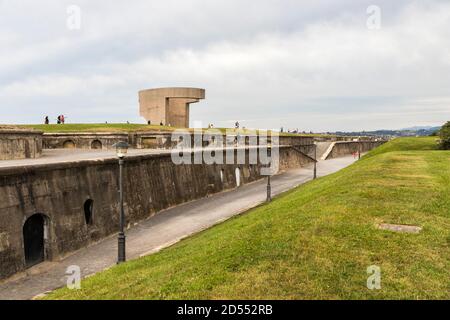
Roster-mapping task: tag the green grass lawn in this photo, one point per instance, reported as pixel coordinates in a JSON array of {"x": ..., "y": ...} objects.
[
  {"x": 314, "y": 242},
  {"x": 96, "y": 127}
]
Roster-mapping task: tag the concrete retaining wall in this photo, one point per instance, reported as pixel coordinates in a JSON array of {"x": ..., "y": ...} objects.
[
  {"x": 60, "y": 191},
  {"x": 343, "y": 148},
  {"x": 20, "y": 144},
  {"x": 143, "y": 140},
  {"x": 82, "y": 140}
]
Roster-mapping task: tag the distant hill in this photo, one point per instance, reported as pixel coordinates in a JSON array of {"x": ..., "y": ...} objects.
[
  {"x": 406, "y": 132},
  {"x": 420, "y": 128}
]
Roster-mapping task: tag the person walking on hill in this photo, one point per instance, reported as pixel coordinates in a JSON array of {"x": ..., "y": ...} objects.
[{"x": 46, "y": 121}]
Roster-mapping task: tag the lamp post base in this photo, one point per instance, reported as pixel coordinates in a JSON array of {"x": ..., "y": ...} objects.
[{"x": 121, "y": 247}]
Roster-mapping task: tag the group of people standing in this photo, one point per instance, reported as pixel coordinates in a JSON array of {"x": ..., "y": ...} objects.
[
  {"x": 59, "y": 120},
  {"x": 292, "y": 131}
]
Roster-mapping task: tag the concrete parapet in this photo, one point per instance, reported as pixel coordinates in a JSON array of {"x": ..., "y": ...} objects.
[
  {"x": 342, "y": 148},
  {"x": 83, "y": 140},
  {"x": 154, "y": 139},
  {"x": 20, "y": 144}
]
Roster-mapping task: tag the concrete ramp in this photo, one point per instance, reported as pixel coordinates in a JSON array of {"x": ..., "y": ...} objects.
[
  {"x": 345, "y": 148},
  {"x": 323, "y": 149}
]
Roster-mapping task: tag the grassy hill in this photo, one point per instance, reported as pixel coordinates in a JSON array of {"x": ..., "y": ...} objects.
[
  {"x": 314, "y": 242},
  {"x": 407, "y": 144}
]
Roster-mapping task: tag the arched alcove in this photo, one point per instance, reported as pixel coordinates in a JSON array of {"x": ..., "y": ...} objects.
[
  {"x": 96, "y": 144},
  {"x": 88, "y": 211},
  {"x": 34, "y": 233},
  {"x": 68, "y": 144}
]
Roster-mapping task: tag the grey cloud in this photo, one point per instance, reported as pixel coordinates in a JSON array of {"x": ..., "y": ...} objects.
[{"x": 310, "y": 64}]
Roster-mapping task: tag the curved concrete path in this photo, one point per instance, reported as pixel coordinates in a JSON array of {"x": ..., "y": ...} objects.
[{"x": 160, "y": 231}]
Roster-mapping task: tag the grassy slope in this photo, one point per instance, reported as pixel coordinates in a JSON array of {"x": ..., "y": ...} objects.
[
  {"x": 407, "y": 144},
  {"x": 313, "y": 242}
]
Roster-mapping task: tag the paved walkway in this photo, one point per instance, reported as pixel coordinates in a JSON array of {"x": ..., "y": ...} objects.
[
  {"x": 162, "y": 230},
  {"x": 70, "y": 155},
  {"x": 51, "y": 156}
]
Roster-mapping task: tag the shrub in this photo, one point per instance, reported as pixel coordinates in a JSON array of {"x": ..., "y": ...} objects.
[{"x": 445, "y": 136}]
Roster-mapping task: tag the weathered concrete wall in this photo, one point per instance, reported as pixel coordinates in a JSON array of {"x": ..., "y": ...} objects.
[
  {"x": 342, "y": 148},
  {"x": 106, "y": 140},
  {"x": 296, "y": 140},
  {"x": 295, "y": 157},
  {"x": 344, "y": 138},
  {"x": 20, "y": 144},
  {"x": 59, "y": 191},
  {"x": 159, "y": 140},
  {"x": 81, "y": 140},
  {"x": 144, "y": 140}
]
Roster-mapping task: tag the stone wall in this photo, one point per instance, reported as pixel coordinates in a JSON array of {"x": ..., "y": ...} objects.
[
  {"x": 342, "y": 148},
  {"x": 82, "y": 140},
  {"x": 59, "y": 192},
  {"x": 344, "y": 138},
  {"x": 295, "y": 157},
  {"x": 142, "y": 140},
  {"x": 20, "y": 144},
  {"x": 296, "y": 140}
]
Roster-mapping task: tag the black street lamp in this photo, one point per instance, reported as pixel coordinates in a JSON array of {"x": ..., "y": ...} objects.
[
  {"x": 359, "y": 150},
  {"x": 269, "y": 187},
  {"x": 121, "y": 150}
]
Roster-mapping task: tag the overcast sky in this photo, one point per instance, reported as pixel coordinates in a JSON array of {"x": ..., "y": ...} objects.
[{"x": 307, "y": 64}]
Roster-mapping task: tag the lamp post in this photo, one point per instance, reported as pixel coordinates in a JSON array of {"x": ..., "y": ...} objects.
[
  {"x": 269, "y": 187},
  {"x": 359, "y": 150},
  {"x": 121, "y": 150},
  {"x": 315, "y": 161}
]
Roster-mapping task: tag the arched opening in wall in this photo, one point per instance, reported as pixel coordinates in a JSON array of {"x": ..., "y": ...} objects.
[
  {"x": 96, "y": 144},
  {"x": 69, "y": 144},
  {"x": 238, "y": 177},
  {"x": 88, "y": 211},
  {"x": 34, "y": 234},
  {"x": 221, "y": 175}
]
